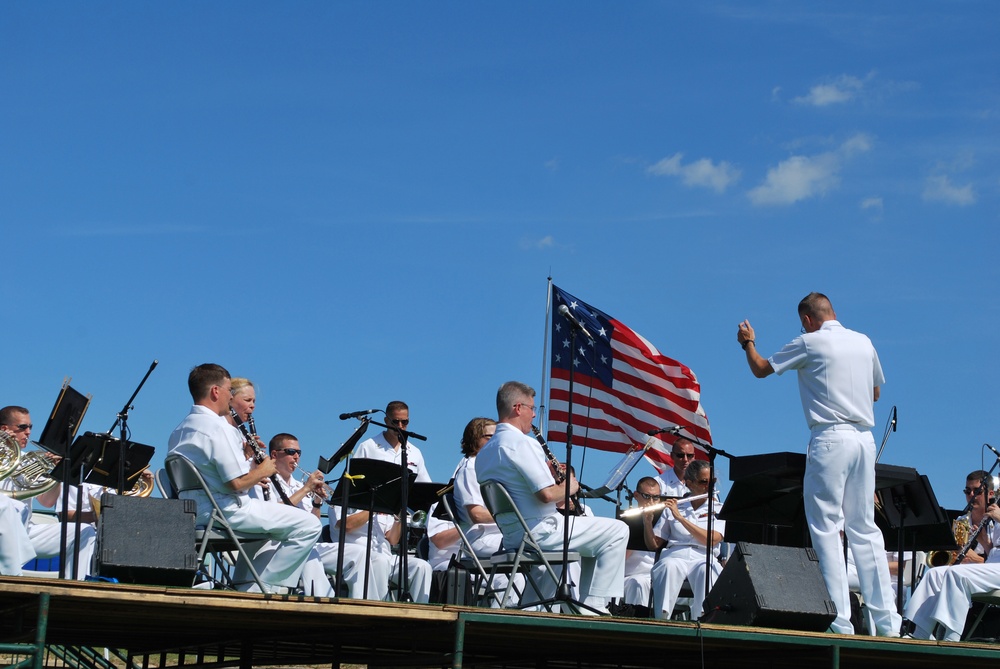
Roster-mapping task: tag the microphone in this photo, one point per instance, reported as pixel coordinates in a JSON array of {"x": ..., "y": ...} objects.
[
  {"x": 356, "y": 414},
  {"x": 895, "y": 420},
  {"x": 995, "y": 451},
  {"x": 568, "y": 315},
  {"x": 672, "y": 429}
]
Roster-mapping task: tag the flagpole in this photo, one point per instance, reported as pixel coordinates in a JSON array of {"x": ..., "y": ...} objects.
[{"x": 543, "y": 413}]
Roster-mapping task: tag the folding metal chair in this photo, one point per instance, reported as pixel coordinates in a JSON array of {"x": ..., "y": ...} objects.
[
  {"x": 467, "y": 557},
  {"x": 217, "y": 538},
  {"x": 528, "y": 557}
]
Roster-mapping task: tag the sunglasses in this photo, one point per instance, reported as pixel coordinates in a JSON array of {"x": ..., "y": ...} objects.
[{"x": 292, "y": 451}]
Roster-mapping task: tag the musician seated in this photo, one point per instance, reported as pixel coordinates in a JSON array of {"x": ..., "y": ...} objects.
[
  {"x": 517, "y": 461},
  {"x": 940, "y": 604},
  {"x": 44, "y": 538},
  {"x": 384, "y": 565},
  {"x": 672, "y": 481},
  {"x": 444, "y": 542},
  {"x": 683, "y": 529},
  {"x": 215, "y": 448},
  {"x": 638, "y": 563},
  {"x": 307, "y": 495}
]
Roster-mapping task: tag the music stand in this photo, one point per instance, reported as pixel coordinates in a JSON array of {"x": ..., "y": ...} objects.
[
  {"x": 64, "y": 421},
  {"x": 914, "y": 520},
  {"x": 369, "y": 485},
  {"x": 620, "y": 471},
  {"x": 636, "y": 534}
]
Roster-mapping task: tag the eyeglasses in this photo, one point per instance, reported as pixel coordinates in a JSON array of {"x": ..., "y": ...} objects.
[
  {"x": 972, "y": 491},
  {"x": 23, "y": 427},
  {"x": 292, "y": 451},
  {"x": 529, "y": 406},
  {"x": 683, "y": 456},
  {"x": 646, "y": 495}
]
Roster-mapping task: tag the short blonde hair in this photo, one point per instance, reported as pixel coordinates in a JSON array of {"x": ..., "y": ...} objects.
[{"x": 240, "y": 384}]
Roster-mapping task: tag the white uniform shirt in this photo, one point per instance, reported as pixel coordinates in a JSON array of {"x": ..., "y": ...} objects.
[
  {"x": 209, "y": 441},
  {"x": 838, "y": 371},
  {"x": 518, "y": 462},
  {"x": 676, "y": 535},
  {"x": 670, "y": 485},
  {"x": 377, "y": 448}
]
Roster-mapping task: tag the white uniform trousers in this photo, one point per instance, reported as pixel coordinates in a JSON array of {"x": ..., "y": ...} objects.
[
  {"x": 944, "y": 596},
  {"x": 46, "y": 537},
  {"x": 485, "y": 540},
  {"x": 637, "y": 588},
  {"x": 668, "y": 574},
  {"x": 419, "y": 582},
  {"x": 601, "y": 543},
  {"x": 294, "y": 530},
  {"x": 354, "y": 570},
  {"x": 15, "y": 544},
  {"x": 838, "y": 454}
]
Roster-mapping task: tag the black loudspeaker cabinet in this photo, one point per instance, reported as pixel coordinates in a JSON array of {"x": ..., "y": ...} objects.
[
  {"x": 147, "y": 540},
  {"x": 771, "y": 586}
]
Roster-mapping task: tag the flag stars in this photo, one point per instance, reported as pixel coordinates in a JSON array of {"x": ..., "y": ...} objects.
[
  {"x": 565, "y": 343},
  {"x": 603, "y": 333},
  {"x": 582, "y": 351},
  {"x": 572, "y": 305}
]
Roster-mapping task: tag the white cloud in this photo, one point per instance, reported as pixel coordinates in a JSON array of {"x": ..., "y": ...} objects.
[
  {"x": 872, "y": 203},
  {"x": 703, "y": 172},
  {"x": 838, "y": 91},
  {"x": 546, "y": 242},
  {"x": 940, "y": 189},
  {"x": 803, "y": 177}
]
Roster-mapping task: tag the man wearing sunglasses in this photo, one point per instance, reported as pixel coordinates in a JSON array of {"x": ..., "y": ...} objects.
[
  {"x": 940, "y": 605},
  {"x": 672, "y": 480},
  {"x": 839, "y": 378},
  {"x": 386, "y": 445},
  {"x": 44, "y": 538}
]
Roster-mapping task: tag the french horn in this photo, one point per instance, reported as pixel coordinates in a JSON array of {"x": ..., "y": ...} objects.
[
  {"x": 30, "y": 476},
  {"x": 10, "y": 454}
]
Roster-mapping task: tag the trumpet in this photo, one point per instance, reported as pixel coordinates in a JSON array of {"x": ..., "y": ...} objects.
[
  {"x": 639, "y": 510},
  {"x": 301, "y": 475}
]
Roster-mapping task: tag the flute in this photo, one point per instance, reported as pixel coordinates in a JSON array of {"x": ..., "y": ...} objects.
[{"x": 639, "y": 510}]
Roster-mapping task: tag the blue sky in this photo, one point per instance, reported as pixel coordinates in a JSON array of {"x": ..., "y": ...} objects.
[{"x": 357, "y": 202}]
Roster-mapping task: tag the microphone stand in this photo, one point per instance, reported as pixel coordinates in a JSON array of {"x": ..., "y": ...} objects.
[
  {"x": 563, "y": 593},
  {"x": 123, "y": 419},
  {"x": 709, "y": 552},
  {"x": 341, "y": 454},
  {"x": 404, "y": 520}
]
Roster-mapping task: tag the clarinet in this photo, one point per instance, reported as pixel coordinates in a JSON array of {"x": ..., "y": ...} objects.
[
  {"x": 559, "y": 474},
  {"x": 258, "y": 455}
]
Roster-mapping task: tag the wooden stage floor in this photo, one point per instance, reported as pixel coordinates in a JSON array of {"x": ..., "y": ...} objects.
[{"x": 211, "y": 628}]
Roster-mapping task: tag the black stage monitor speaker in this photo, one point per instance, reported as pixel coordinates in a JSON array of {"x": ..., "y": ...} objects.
[
  {"x": 147, "y": 540},
  {"x": 771, "y": 586}
]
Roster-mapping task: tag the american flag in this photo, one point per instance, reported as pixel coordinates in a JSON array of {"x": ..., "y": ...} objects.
[{"x": 622, "y": 387}]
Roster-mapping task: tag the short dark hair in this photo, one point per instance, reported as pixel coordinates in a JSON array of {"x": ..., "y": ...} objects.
[
  {"x": 203, "y": 377},
  {"x": 396, "y": 405},
  {"x": 816, "y": 305},
  {"x": 645, "y": 481},
  {"x": 980, "y": 475},
  {"x": 7, "y": 414},
  {"x": 277, "y": 441}
]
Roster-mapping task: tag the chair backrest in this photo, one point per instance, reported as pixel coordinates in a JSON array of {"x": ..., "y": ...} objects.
[
  {"x": 498, "y": 500},
  {"x": 182, "y": 474},
  {"x": 164, "y": 485}
]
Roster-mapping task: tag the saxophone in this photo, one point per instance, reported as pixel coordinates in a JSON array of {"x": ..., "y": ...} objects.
[{"x": 961, "y": 529}]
